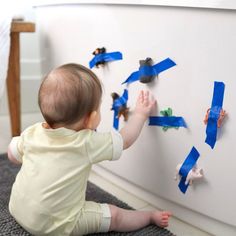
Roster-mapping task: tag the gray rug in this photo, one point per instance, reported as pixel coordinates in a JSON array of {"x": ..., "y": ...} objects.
[{"x": 8, "y": 226}]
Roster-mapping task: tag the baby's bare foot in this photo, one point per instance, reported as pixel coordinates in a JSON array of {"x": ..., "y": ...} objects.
[{"x": 161, "y": 218}]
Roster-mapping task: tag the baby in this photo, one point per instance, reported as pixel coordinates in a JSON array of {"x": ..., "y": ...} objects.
[{"x": 48, "y": 195}]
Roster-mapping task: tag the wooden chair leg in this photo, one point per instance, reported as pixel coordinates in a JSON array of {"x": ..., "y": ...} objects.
[{"x": 13, "y": 85}]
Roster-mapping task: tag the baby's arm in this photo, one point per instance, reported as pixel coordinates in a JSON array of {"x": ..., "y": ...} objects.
[
  {"x": 131, "y": 131},
  {"x": 13, "y": 152}
]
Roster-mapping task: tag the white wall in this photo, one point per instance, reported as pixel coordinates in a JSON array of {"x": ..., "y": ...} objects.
[{"x": 202, "y": 43}]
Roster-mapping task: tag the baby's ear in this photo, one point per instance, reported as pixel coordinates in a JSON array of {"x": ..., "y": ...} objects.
[
  {"x": 46, "y": 125},
  {"x": 89, "y": 122}
]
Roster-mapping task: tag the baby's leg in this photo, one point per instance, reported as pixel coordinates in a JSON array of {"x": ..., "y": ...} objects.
[{"x": 129, "y": 220}]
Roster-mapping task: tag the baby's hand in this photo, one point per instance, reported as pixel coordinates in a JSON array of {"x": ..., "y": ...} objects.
[{"x": 144, "y": 105}]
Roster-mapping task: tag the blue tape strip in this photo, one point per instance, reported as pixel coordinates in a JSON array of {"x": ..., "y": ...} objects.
[
  {"x": 146, "y": 71},
  {"x": 182, "y": 186},
  {"x": 111, "y": 56},
  {"x": 163, "y": 65},
  {"x": 218, "y": 95},
  {"x": 116, "y": 119},
  {"x": 132, "y": 78},
  {"x": 121, "y": 101},
  {"x": 167, "y": 121},
  {"x": 150, "y": 70},
  {"x": 188, "y": 164},
  {"x": 216, "y": 106}
]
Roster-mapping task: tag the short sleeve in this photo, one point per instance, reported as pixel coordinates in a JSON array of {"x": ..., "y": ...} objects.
[
  {"x": 16, "y": 148},
  {"x": 104, "y": 146}
]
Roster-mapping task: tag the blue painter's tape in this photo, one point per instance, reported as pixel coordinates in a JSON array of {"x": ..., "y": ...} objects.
[
  {"x": 182, "y": 186},
  {"x": 163, "y": 65},
  {"x": 216, "y": 107},
  {"x": 111, "y": 56},
  {"x": 146, "y": 70},
  {"x": 150, "y": 70},
  {"x": 218, "y": 95},
  {"x": 188, "y": 164},
  {"x": 167, "y": 121},
  {"x": 132, "y": 78},
  {"x": 119, "y": 102},
  {"x": 116, "y": 119}
]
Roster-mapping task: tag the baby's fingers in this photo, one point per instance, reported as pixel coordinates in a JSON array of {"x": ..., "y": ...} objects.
[
  {"x": 146, "y": 98},
  {"x": 153, "y": 100},
  {"x": 141, "y": 97}
]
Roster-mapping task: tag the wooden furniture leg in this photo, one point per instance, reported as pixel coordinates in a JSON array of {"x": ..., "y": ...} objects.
[
  {"x": 13, "y": 74},
  {"x": 13, "y": 84}
]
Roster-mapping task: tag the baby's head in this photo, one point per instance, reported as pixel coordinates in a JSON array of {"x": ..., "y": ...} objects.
[{"x": 68, "y": 95}]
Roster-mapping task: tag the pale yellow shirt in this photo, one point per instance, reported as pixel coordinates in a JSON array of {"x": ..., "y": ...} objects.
[{"x": 49, "y": 190}]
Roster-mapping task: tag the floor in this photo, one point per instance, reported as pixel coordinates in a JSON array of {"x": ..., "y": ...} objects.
[{"x": 177, "y": 226}]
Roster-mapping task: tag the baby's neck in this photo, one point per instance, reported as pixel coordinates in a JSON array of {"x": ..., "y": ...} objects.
[{"x": 75, "y": 127}]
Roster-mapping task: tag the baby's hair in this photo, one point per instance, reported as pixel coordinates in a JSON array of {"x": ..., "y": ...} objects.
[{"x": 68, "y": 94}]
